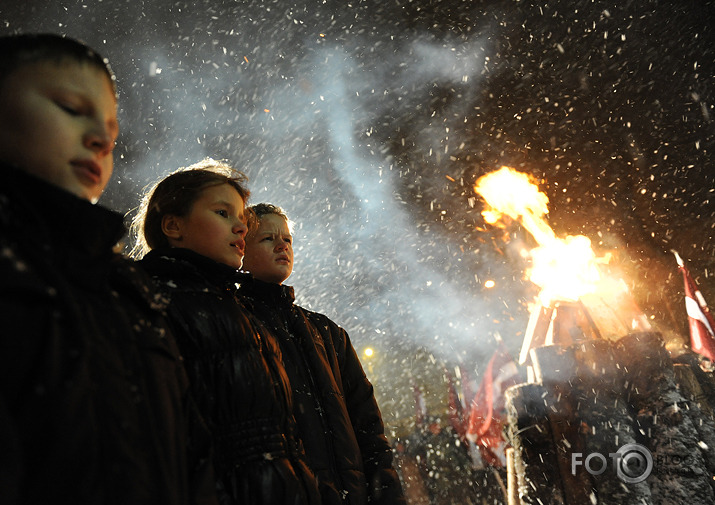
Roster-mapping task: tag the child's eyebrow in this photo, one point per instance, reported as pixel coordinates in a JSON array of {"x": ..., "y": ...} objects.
[
  {"x": 276, "y": 233},
  {"x": 226, "y": 204}
]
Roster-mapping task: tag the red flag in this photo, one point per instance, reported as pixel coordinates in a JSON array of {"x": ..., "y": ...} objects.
[
  {"x": 702, "y": 325},
  {"x": 487, "y": 417}
]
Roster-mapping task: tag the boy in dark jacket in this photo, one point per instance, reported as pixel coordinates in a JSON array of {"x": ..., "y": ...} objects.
[
  {"x": 93, "y": 405},
  {"x": 335, "y": 408}
]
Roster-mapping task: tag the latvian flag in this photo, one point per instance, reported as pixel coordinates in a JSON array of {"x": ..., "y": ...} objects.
[{"x": 701, "y": 322}]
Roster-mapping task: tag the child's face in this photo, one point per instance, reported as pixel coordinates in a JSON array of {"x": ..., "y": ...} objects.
[
  {"x": 215, "y": 227},
  {"x": 58, "y": 121},
  {"x": 269, "y": 250}
]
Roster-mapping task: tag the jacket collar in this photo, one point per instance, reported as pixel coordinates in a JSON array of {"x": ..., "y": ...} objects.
[
  {"x": 166, "y": 260},
  {"x": 49, "y": 215},
  {"x": 269, "y": 292}
]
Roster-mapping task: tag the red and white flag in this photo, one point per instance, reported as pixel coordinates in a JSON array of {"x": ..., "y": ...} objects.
[
  {"x": 701, "y": 322},
  {"x": 487, "y": 416}
]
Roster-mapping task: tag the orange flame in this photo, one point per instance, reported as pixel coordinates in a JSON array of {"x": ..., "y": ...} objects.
[{"x": 564, "y": 269}]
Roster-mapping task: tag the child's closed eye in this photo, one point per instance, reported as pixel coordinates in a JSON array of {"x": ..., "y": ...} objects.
[{"x": 72, "y": 110}]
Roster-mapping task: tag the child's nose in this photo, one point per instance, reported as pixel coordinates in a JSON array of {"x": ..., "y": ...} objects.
[
  {"x": 240, "y": 228},
  {"x": 98, "y": 139}
]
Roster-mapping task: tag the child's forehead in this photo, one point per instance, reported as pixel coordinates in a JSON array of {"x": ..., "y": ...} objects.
[
  {"x": 62, "y": 72},
  {"x": 223, "y": 193},
  {"x": 273, "y": 223}
]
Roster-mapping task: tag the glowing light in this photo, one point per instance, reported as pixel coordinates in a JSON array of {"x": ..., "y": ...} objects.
[
  {"x": 564, "y": 269},
  {"x": 491, "y": 217},
  {"x": 368, "y": 352},
  {"x": 489, "y": 284}
]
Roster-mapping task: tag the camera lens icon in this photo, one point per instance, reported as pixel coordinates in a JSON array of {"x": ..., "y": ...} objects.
[{"x": 634, "y": 464}]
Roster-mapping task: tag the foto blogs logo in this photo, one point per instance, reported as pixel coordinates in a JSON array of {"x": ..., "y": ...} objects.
[{"x": 633, "y": 463}]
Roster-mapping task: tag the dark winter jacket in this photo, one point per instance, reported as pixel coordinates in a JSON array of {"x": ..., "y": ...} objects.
[
  {"x": 239, "y": 382},
  {"x": 93, "y": 395},
  {"x": 335, "y": 408}
]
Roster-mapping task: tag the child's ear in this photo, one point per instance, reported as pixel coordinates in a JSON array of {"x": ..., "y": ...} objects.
[{"x": 171, "y": 226}]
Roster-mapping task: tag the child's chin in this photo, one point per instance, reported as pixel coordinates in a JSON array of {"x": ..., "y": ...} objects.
[
  {"x": 234, "y": 264},
  {"x": 83, "y": 193}
]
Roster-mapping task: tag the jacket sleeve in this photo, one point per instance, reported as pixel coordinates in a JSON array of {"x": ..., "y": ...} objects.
[
  {"x": 10, "y": 459},
  {"x": 27, "y": 331},
  {"x": 384, "y": 486},
  {"x": 202, "y": 479}
]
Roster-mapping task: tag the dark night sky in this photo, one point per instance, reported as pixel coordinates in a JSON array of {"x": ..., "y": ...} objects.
[{"x": 370, "y": 121}]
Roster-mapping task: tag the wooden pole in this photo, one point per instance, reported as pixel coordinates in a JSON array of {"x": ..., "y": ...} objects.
[{"x": 511, "y": 484}]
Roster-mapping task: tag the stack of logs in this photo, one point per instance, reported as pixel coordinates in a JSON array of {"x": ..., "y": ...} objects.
[{"x": 596, "y": 396}]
